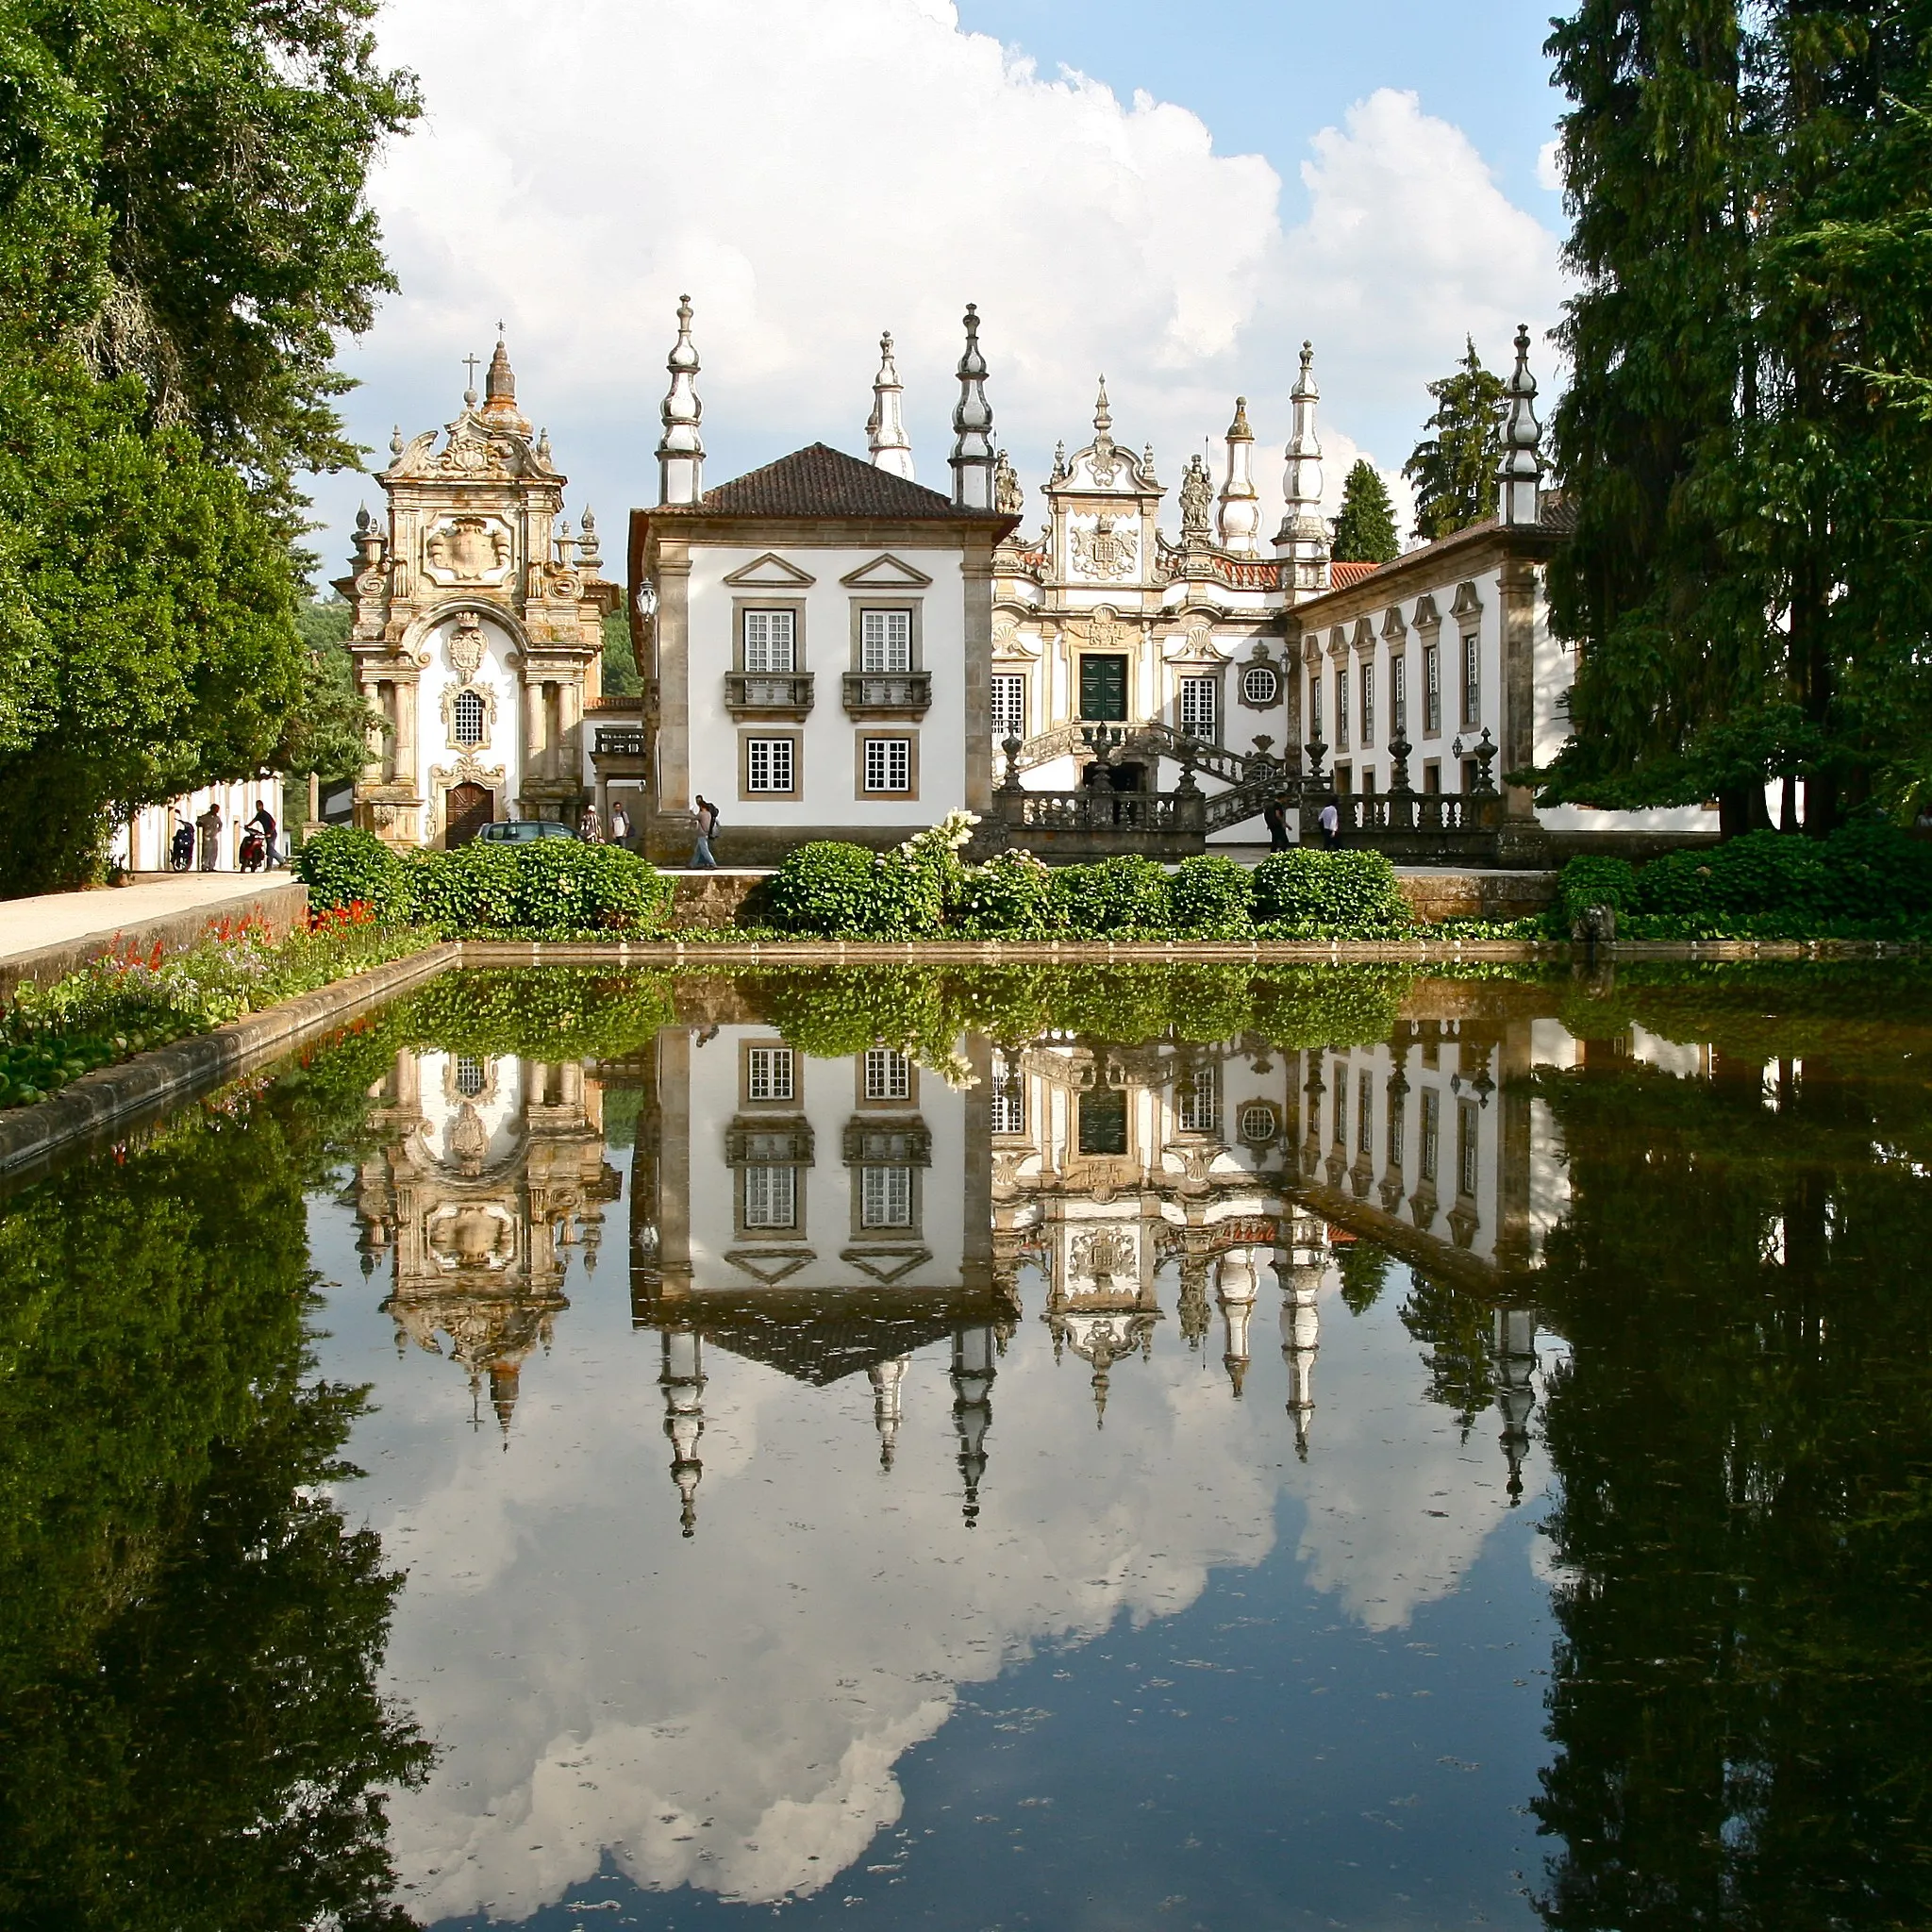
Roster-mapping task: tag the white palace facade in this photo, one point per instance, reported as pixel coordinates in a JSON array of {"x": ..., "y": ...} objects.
[{"x": 831, "y": 649}]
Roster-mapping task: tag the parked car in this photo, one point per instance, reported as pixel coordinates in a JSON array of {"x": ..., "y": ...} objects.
[{"x": 522, "y": 831}]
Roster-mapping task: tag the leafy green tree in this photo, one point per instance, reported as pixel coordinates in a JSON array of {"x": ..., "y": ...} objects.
[
  {"x": 328, "y": 732},
  {"x": 1454, "y": 467},
  {"x": 1748, "y": 579},
  {"x": 1365, "y": 531},
  {"x": 183, "y": 232}
]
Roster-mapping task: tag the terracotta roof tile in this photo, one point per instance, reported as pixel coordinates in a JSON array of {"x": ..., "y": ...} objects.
[
  {"x": 820, "y": 481},
  {"x": 1343, "y": 575}
]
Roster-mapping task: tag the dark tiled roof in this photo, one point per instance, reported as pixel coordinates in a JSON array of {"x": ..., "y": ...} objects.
[{"x": 820, "y": 481}]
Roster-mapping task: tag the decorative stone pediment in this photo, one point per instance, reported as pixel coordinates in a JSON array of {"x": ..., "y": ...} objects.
[
  {"x": 1426, "y": 617},
  {"x": 886, "y": 573},
  {"x": 1467, "y": 603},
  {"x": 1392, "y": 626},
  {"x": 770, "y": 1265},
  {"x": 885, "y": 1265},
  {"x": 1013, "y": 646},
  {"x": 1196, "y": 645},
  {"x": 769, "y": 572},
  {"x": 472, "y": 452}
]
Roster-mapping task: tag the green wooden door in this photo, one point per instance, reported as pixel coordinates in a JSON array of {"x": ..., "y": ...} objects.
[{"x": 1103, "y": 687}]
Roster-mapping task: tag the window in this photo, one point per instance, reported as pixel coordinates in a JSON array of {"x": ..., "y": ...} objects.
[
  {"x": 1258, "y": 1123},
  {"x": 471, "y": 1078},
  {"x": 1432, "y": 690},
  {"x": 885, "y": 640},
  {"x": 768, "y": 1072},
  {"x": 1008, "y": 706},
  {"x": 1365, "y": 1115},
  {"x": 1197, "y": 1102},
  {"x": 885, "y": 1197},
  {"x": 1467, "y": 1148},
  {"x": 1341, "y": 1086},
  {"x": 1341, "y": 708},
  {"x": 1472, "y": 679},
  {"x": 771, "y": 1196},
  {"x": 888, "y": 764},
  {"x": 1398, "y": 1119},
  {"x": 1368, "y": 677},
  {"x": 1315, "y": 705},
  {"x": 1398, "y": 699},
  {"x": 771, "y": 639},
  {"x": 768, "y": 764},
  {"x": 1432, "y": 1131},
  {"x": 1432, "y": 775},
  {"x": 466, "y": 717},
  {"x": 888, "y": 1074},
  {"x": 1198, "y": 696},
  {"x": 1008, "y": 1105},
  {"x": 1103, "y": 687},
  {"x": 1260, "y": 687}
]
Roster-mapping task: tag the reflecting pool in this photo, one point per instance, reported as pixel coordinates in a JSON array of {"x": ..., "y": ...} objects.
[{"x": 1155, "y": 1448}]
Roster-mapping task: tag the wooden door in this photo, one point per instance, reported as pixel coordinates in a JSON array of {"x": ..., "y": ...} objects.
[
  {"x": 1103, "y": 686},
  {"x": 468, "y": 810}
]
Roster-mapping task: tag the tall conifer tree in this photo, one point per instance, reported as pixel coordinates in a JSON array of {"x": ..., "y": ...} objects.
[
  {"x": 1454, "y": 467},
  {"x": 1748, "y": 580},
  {"x": 1365, "y": 531}
]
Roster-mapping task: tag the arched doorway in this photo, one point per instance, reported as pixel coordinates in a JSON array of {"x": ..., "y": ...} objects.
[{"x": 467, "y": 810}]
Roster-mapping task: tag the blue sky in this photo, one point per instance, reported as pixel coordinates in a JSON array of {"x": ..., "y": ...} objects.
[{"x": 1174, "y": 199}]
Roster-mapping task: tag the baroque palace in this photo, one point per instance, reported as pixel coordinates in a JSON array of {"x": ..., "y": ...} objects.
[{"x": 831, "y": 649}]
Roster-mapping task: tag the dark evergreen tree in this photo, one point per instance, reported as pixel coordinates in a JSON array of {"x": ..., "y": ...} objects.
[
  {"x": 1749, "y": 578},
  {"x": 1454, "y": 467},
  {"x": 1365, "y": 531}
]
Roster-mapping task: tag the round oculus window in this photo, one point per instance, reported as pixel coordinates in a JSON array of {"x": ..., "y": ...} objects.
[
  {"x": 1257, "y": 1122},
  {"x": 1260, "y": 684}
]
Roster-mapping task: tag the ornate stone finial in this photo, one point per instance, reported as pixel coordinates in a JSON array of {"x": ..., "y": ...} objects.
[
  {"x": 681, "y": 449},
  {"x": 1520, "y": 475},
  {"x": 885, "y": 432},
  {"x": 364, "y": 521},
  {"x": 544, "y": 445},
  {"x": 395, "y": 440},
  {"x": 1147, "y": 467},
  {"x": 1059, "y": 462},
  {"x": 589, "y": 555},
  {"x": 1240, "y": 503},
  {"x": 972, "y": 459},
  {"x": 1103, "y": 416},
  {"x": 1302, "y": 543}
]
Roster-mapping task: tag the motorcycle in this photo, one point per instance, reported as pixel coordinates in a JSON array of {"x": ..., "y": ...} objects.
[
  {"x": 254, "y": 852},
  {"x": 181, "y": 849}
]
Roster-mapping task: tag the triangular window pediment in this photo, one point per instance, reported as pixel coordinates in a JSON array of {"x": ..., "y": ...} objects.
[
  {"x": 770, "y": 573},
  {"x": 887, "y": 573}
]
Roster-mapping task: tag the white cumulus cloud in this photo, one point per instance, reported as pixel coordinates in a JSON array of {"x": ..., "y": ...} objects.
[{"x": 814, "y": 174}]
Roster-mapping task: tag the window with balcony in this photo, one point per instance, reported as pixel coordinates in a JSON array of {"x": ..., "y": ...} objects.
[
  {"x": 771, "y": 640},
  {"x": 885, "y": 1197},
  {"x": 885, "y": 640},
  {"x": 770, "y": 1197},
  {"x": 1103, "y": 687}
]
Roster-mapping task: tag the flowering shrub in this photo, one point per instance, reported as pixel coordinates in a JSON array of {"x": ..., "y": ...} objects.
[
  {"x": 342, "y": 864},
  {"x": 1210, "y": 897},
  {"x": 126, "y": 1001},
  {"x": 1010, "y": 897}
]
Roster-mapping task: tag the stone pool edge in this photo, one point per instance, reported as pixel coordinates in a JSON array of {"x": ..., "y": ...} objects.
[
  {"x": 98, "y": 1103},
  {"x": 108, "y": 1098}
]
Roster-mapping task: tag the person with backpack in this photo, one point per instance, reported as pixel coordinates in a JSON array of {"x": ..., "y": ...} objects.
[{"x": 707, "y": 826}]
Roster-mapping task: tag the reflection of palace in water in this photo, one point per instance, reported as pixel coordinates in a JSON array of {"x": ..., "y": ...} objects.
[
  {"x": 491, "y": 1173},
  {"x": 831, "y": 1217}
]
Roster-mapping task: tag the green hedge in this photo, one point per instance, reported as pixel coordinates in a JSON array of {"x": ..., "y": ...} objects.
[
  {"x": 1315, "y": 894},
  {"x": 1866, "y": 880},
  {"x": 550, "y": 889}
]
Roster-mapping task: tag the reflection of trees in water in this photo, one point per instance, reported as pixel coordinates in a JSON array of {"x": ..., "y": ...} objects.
[
  {"x": 1456, "y": 1329},
  {"x": 1744, "y": 1434},
  {"x": 1364, "y": 1270},
  {"x": 190, "y": 1732}
]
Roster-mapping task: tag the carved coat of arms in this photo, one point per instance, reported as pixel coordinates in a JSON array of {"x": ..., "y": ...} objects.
[
  {"x": 1106, "y": 550},
  {"x": 468, "y": 548}
]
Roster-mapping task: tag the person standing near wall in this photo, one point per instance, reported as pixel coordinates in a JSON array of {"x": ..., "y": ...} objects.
[
  {"x": 620, "y": 825},
  {"x": 209, "y": 827},
  {"x": 708, "y": 824}
]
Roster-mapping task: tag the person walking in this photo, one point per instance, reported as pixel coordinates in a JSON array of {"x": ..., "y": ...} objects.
[
  {"x": 620, "y": 825},
  {"x": 209, "y": 827},
  {"x": 1275, "y": 816},
  {"x": 1330, "y": 822},
  {"x": 590, "y": 827},
  {"x": 264, "y": 823},
  {"x": 708, "y": 824}
]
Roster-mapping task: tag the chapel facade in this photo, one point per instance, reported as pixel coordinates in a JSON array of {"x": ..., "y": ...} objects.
[{"x": 477, "y": 629}]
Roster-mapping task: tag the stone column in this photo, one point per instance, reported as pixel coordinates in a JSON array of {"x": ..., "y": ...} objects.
[
  {"x": 1517, "y": 723},
  {"x": 975, "y": 569},
  {"x": 407, "y": 759},
  {"x": 674, "y": 678}
]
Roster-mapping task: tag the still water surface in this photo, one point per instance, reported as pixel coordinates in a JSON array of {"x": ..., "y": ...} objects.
[{"x": 1098, "y": 1451}]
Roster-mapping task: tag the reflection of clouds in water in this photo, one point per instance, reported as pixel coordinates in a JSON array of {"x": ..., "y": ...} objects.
[
  {"x": 1398, "y": 1506},
  {"x": 728, "y": 1712}
]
